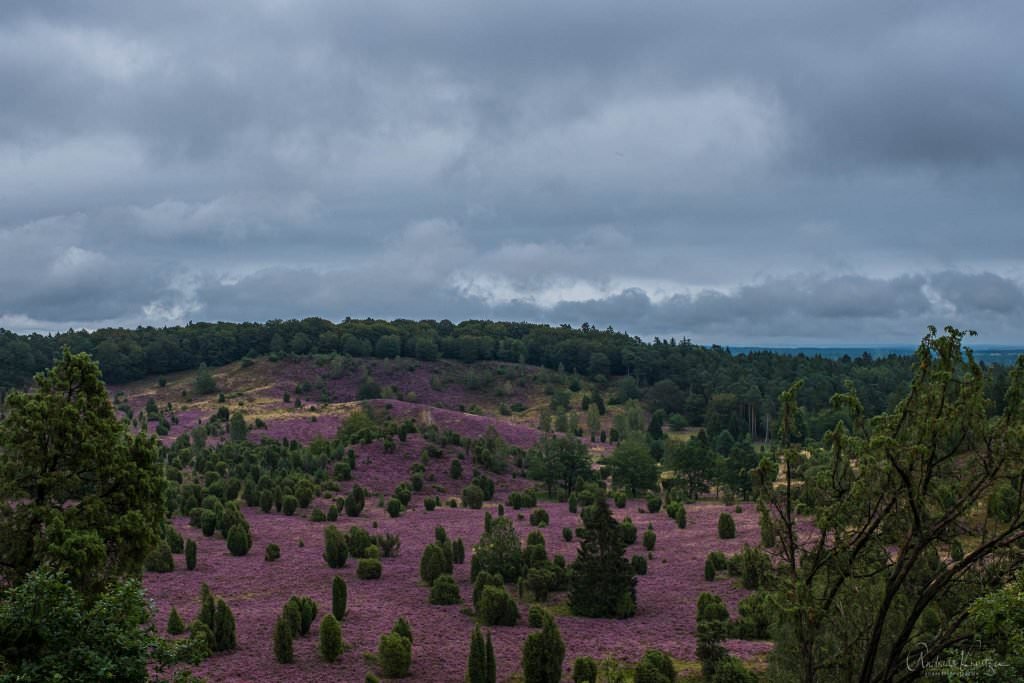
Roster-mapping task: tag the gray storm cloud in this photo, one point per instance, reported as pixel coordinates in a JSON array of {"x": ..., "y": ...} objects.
[{"x": 801, "y": 172}]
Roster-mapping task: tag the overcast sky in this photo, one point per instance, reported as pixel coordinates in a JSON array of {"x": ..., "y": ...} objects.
[{"x": 740, "y": 173}]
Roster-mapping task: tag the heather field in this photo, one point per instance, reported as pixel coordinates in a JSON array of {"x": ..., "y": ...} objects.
[
  {"x": 470, "y": 402},
  {"x": 256, "y": 590}
]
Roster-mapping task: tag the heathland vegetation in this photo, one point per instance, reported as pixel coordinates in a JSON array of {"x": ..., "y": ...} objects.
[{"x": 502, "y": 501}]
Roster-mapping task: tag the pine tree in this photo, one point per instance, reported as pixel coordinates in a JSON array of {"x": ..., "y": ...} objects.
[
  {"x": 603, "y": 583},
  {"x": 339, "y": 598}
]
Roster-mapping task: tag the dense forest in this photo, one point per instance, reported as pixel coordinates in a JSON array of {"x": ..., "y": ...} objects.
[{"x": 707, "y": 386}]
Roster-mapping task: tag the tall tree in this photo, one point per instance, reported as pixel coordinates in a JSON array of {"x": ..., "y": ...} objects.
[
  {"x": 633, "y": 467},
  {"x": 78, "y": 492},
  {"x": 602, "y": 583},
  {"x": 880, "y": 579}
]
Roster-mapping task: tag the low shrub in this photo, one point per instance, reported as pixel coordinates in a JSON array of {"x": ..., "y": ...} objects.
[
  {"x": 273, "y": 552},
  {"x": 444, "y": 591},
  {"x": 369, "y": 569}
]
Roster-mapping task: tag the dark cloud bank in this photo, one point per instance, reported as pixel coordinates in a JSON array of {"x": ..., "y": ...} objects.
[{"x": 794, "y": 172}]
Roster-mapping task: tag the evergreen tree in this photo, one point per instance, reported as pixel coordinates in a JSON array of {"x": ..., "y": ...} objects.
[
  {"x": 476, "y": 668},
  {"x": 207, "y": 606},
  {"x": 78, "y": 492},
  {"x": 190, "y": 554},
  {"x": 175, "y": 626},
  {"x": 335, "y": 549},
  {"x": 236, "y": 427},
  {"x": 602, "y": 583},
  {"x": 543, "y": 654},
  {"x": 339, "y": 598},
  {"x": 491, "y": 663},
  {"x": 283, "y": 641},
  {"x": 223, "y": 628},
  {"x": 330, "y": 638}
]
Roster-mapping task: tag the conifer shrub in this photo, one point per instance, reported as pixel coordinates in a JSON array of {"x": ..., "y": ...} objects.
[
  {"x": 330, "y": 638},
  {"x": 639, "y": 565},
  {"x": 432, "y": 563},
  {"x": 190, "y": 554},
  {"x": 317, "y": 515},
  {"x": 477, "y": 666},
  {"x": 292, "y": 614},
  {"x": 602, "y": 582},
  {"x": 628, "y": 531},
  {"x": 543, "y": 654},
  {"x": 429, "y": 504},
  {"x": 655, "y": 667},
  {"x": 573, "y": 503},
  {"x": 239, "y": 541},
  {"x": 653, "y": 504},
  {"x": 223, "y": 628},
  {"x": 458, "y": 551},
  {"x": 394, "y": 654},
  {"x": 160, "y": 559},
  {"x": 335, "y": 548},
  {"x": 174, "y": 540},
  {"x": 402, "y": 628},
  {"x": 207, "y": 606},
  {"x": 650, "y": 538},
  {"x": 566, "y": 534},
  {"x": 369, "y": 568},
  {"x": 444, "y": 591},
  {"x": 355, "y": 502},
  {"x": 726, "y": 526},
  {"x": 339, "y": 598},
  {"x": 535, "y": 616},
  {"x": 272, "y": 552},
  {"x": 709, "y": 569},
  {"x": 289, "y": 504},
  {"x": 539, "y": 517},
  {"x": 620, "y": 499},
  {"x": 201, "y": 637},
  {"x": 496, "y": 607},
  {"x": 283, "y": 641},
  {"x": 473, "y": 497},
  {"x": 680, "y": 516},
  {"x": 584, "y": 670},
  {"x": 711, "y": 608},
  {"x": 175, "y": 626},
  {"x": 332, "y": 513}
]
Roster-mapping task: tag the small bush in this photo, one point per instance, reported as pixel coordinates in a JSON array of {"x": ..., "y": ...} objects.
[
  {"x": 650, "y": 538},
  {"x": 655, "y": 667},
  {"x": 283, "y": 641},
  {"x": 496, "y": 607},
  {"x": 289, "y": 504},
  {"x": 711, "y": 608},
  {"x": 160, "y": 559},
  {"x": 369, "y": 568},
  {"x": 681, "y": 517},
  {"x": 444, "y": 591},
  {"x": 473, "y": 497},
  {"x": 332, "y": 513},
  {"x": 539, "y": 517},
  {"x": 628, "y": 531},
  {"x": 639, "y": 564},
  {"x": 535, "y": 616},
  {"x": 432, "y": 563},
  {"x": 335, "y": 549},
  {"x": 330, "y": 638},
  {"x": 339, "y": 598},
  {"x": 709, "y": 569},
  {"x": 394, "y": 507},
  {"x": 566, "y": 534},
  {"x": 653, "y": 503},
  {"x": 317, "y": 515},
  {"x": 584, "y": 670},
  {"x": 429, "y": 504},
  {"x": 620, "y": 499},
  {"x": 190, "y": 554},
  {"x": 239, "y": 540},
  {"x": 175, "y": 626},
  {"x": 273, "y": 552},
  {"x": 394, "y": 653},
  {"x": 726, "y": 526},
  {"x": 458, "y": 551},
  {"x": 223, "y": 628}
]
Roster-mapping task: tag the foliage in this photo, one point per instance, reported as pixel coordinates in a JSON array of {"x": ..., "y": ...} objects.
[
  {"x": 330, "y": 638},
  {"x": 498, "y": 551},
  {"x": 655, "y": 667},
  {"x": 335, "y": 548},
  {"x": 444, "y": 591},
  {"x": 394, "y": 653},
  {"x": 726, "y": 526},
  {"x": 49, "y": 631},
  {"x": 602, "y": 583},
  {"x": 584, "y": 670},
  {"x": 560, "y": 462},
  {"x": 543, "y": 653},
  {"x": 223, "y": 628},
  {"x": 175, "y": 626},
  {"x": 283, "y": 641},
  {"x": 632, "y": 466},
  {"x": 339, "y": 598},
  {"x": 495, "y": 607},
  {"x": 889, "y": 497},
  {"x": 369, "y": 568},
  {"x": 239, "y": 540},
  {"x": 481, "y": 665},
  {"x": 272, "y": 552},
  {"x": 190, "y": 554},
  {"x": 78, "y": 492},
  {"x": 160, "y": 559}
]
